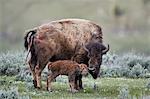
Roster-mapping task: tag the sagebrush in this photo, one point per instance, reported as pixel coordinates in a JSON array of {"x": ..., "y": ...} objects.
[{"x": 130, "y": 65}]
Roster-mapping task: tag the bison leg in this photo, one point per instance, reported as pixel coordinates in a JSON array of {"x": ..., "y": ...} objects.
[
  {"x": 76, "y": 83},
  {"x": 33, "y": 73},
  {"x": 38, "y": 72},
  {"x": 80, "y": 82}
]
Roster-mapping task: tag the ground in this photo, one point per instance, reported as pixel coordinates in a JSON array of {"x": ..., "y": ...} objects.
[{"x": 101, "y": 88}]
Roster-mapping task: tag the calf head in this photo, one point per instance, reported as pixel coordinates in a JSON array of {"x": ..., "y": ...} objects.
[
  {"x": 95, "y": 52},
  {"x": 83, "y": 69}
]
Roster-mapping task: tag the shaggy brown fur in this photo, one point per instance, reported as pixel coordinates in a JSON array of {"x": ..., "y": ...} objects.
[
  {"x": 66, "y": 67},
  {"x": 60, "y": 40},
  {"x": 95, "y": 52}
]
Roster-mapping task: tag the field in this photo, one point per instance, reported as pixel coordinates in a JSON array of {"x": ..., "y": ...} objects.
[
  {"x": 125, "y": 71},
  {"x": 122, "y": 76},
  {"x": 104, "y": 88}
]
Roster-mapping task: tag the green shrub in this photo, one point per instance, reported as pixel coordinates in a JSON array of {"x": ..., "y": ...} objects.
[
  {"x": 24, "y": 75},
  {"x": 124, "y": 92},
  {"x": 4, "y": 81},
  {"x": 137, "y": 71},
  {"x": 146, "y": 64},
  {"x": 29, "y": 86},
  {"x": 11, "y": 63},
  {"x": 12, "y": 93},
  {"x": 110, "y": 72},
  {"x": 128, "y": 65}
]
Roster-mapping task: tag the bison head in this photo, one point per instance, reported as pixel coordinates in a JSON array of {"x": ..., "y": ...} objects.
[{"x": 95, "y": 52}]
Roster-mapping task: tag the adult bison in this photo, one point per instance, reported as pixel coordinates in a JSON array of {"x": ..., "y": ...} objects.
[{"x": 76, "y": 39}]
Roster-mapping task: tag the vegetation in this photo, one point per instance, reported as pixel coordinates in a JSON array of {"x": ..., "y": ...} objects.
[
  {"x": 105, "y": 87},
  {"x": 11, "y": 63},
  {"x": 125, "y": 25},
  {"x": 130, "y": 65},
  {"x": 121, "y": 68}
]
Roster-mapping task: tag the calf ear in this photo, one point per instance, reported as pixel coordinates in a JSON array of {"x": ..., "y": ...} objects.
[
  {"x": 82, "y": 66},
  {"x": 79, "y": 67}
]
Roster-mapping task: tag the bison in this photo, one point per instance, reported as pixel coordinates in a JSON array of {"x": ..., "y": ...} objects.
[
  {"x": 76, "y": 39},
  {"x": 72, "y": 69}
]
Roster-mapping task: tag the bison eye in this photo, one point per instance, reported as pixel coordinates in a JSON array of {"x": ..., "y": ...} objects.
[
  {"x": 98, "y": 58},
  {"x": 89, "y": 55}
]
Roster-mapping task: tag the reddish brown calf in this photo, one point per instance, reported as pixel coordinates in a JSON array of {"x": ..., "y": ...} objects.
[{"x": 72, "y": 69}]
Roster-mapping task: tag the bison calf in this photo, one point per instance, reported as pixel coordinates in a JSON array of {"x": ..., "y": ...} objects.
[{"x": 72, "y": 69}]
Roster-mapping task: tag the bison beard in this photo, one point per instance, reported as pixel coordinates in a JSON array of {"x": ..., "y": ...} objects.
[
  {"x": 94, "y": 74},
  {"x": 62, "y": 39}
]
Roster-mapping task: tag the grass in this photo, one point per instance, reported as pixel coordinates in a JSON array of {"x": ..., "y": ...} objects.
[
  {"x": 106, "y": 87},
  {"x": 101, "y": 88}
]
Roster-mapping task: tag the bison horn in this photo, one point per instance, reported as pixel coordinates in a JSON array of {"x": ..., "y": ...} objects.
[
  {"x": 91, "y": 68},
  {"x": 105, "y": 50},
  {"x": 85, "y": 48}
]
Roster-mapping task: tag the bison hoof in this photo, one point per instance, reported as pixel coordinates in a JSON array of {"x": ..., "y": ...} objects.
[
  {"x": 74, "y": 90},
  {"x": 38, "y": 87},
  {"x": 81, "y": 88},
  {"x": 35, "y": 83},
  {"x": 49, "y": 89}
]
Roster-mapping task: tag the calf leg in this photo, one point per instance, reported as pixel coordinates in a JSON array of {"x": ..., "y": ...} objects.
[
  {"x": 72, "y": 83},
  {"x": 50, "y": 78}
]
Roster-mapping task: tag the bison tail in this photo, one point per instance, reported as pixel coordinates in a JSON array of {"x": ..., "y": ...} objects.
[
  {"x": 28, "y": 41},
  {"x": 29, "y": 38}
]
